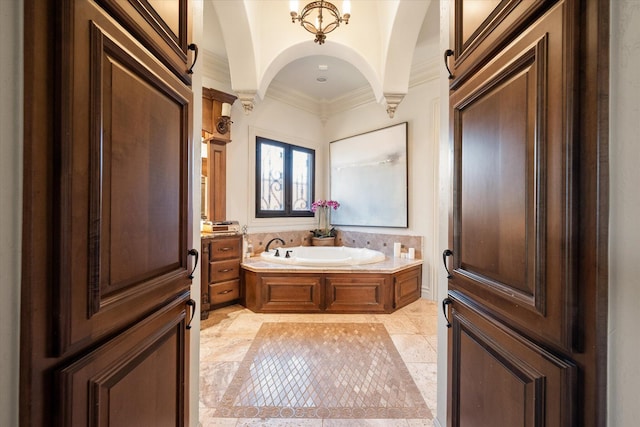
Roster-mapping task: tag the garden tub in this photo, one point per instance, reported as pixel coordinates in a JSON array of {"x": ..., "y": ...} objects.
[{"x": 322, "y": 256}]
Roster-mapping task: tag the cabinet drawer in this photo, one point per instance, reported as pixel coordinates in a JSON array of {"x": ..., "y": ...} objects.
[
  {"x": 221, "y": 271},
  {"x": 225, "y": 249},
  {"x": 224, "y": 292}
]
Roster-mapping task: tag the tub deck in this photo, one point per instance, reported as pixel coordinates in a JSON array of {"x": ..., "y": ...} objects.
[{"x": 382, "y": 287}]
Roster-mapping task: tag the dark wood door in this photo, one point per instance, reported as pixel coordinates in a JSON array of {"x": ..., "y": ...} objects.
[
  {"x": 106, "y": 306},
  {"x": 519, "y": 313}
]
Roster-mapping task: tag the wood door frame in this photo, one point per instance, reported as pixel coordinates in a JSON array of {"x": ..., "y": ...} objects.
[{"x": 594, "y": 130}]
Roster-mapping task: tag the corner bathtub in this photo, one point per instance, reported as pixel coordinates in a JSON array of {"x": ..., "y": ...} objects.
[
  {"x": 323, "y": 256},
  {"x": 327, "y": 279}
]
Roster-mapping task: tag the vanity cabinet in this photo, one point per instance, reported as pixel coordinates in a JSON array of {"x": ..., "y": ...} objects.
[{"x": 220, "y": 284}]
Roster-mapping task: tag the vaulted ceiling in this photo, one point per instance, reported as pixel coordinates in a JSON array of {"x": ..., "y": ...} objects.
[{"x": 372, "y": 57}]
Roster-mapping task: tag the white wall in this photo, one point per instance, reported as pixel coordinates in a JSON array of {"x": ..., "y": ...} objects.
[
  {"x": 419, "y": 108},
  {"x": 10, "y": 205},
  {"x": 444, "y": 192},
  {"x": 194, "y": 336},
  {"x": 275, "y": 120},
  {"x": 624, "y": 224}
]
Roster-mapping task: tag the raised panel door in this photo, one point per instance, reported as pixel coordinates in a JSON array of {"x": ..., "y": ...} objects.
[
  {"x": 499, "y": 378},
  {"x": 104, "y": 336},
  {"x": 134, "y": 379},
  {"x": 124, "y": 196},
  {"x": 515, "y": 341},
  {"x": 162, "y": 26},
  {"x": 513, "y": 184},
  {"x": 483, "y": 27}
]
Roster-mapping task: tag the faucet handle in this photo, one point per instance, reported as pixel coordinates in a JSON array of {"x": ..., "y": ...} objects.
[
  {"x": 277, "y": 252},
  {"x": 288, "y": 254}
]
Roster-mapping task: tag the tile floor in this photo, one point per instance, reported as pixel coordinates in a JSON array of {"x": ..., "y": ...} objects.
[{"x": 228, "y": 333}]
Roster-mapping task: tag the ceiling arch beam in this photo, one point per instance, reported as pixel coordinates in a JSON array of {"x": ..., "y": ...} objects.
[
  {"x": 399, "y": 51},
  {"x": 334, "y": 49},
  {"x": 239, "y": 44}
]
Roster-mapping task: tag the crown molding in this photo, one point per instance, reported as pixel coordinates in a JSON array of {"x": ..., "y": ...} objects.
[
  {"x": 284, "y": 94},
  {"x": 215, "y": 67},
  {"x": 424, "y": 72}
]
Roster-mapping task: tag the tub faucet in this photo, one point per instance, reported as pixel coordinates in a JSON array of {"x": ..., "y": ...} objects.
[{"x": 271, "y": 241}]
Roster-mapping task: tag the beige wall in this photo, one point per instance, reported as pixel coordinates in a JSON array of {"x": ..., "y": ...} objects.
[
  {"x": 10, "y": 205},
  {"x": 194, "y": 336},
  {"x": 624, "y": 224}
]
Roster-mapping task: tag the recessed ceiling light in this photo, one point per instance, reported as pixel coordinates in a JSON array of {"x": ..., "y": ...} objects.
[
  {"x": 323, "y": 67},
  {"x": 321, "y": 79}
]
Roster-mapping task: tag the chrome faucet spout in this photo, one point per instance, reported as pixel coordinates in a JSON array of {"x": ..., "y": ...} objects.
[{"x": 266, "y": 249}]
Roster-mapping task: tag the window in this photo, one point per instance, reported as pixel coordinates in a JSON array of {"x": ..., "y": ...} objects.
[{"x": 285, "y": 179}]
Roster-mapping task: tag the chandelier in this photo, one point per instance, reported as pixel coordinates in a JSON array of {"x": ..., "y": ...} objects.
[{"x": 315, "y": 14}]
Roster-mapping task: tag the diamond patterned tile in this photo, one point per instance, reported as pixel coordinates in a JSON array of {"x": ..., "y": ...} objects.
[{"x": 322, "y": 370}]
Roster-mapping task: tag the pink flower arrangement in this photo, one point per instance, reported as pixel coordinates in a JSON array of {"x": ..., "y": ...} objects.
[{"x": 324, "y": 204}]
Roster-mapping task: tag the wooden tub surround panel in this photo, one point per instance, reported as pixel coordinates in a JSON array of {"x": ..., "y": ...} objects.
[{"x": 330, "y": 292}]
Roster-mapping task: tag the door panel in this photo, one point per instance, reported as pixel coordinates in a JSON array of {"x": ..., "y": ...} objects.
[
  {"x": 516, "y": 343},
  {"x": 484, "y": 27},
  {"x": 513, "y": 183},
  {"x": 125, "y": 196},
  {"x": 498, "y": 378},
  {"x": 162, "y": 26},
  {"x": 125, "y": 386},
  {"x": 105, "y": 289},
  {"x": 143, "y": 207}
]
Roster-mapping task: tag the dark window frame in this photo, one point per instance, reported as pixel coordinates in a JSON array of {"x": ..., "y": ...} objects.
[{"x": 288, "y": 211}]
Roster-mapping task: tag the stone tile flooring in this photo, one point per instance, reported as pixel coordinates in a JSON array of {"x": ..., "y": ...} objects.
[{"x": 228, "y": 333}]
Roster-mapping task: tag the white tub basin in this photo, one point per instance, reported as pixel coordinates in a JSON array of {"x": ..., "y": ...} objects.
[{"x": 319, "y": 256}]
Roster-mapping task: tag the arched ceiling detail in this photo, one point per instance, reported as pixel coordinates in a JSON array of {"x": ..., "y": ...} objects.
[
  {"x": 402, "y": 41},
  {"x": 260, "y": 42},
  {"x": 335, "y": 50},
  {"x": 238, "y": 40}
]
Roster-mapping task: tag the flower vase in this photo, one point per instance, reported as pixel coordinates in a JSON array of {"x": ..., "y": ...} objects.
[
  {"x": 323, "y": 241},
  {"x": 324, "y": 220}
]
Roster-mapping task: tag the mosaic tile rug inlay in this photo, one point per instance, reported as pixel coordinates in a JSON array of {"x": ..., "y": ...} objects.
[{"x": 322, "y": 370}]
